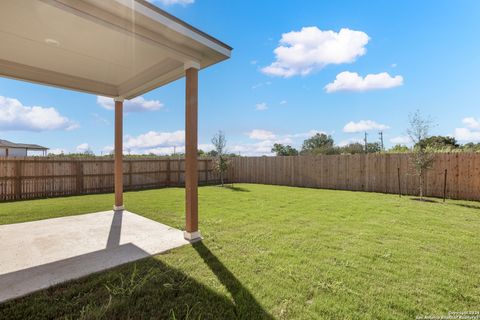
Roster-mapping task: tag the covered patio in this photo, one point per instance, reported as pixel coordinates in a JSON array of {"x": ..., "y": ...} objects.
[{"x": 119, "y": 49}]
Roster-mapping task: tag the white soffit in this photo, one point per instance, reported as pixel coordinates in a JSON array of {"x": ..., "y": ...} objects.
[{"x": 106, "y": 47}]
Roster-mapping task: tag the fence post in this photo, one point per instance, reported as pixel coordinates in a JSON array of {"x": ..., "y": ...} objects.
[
  {"x": 399, "y": 184},
  {"x": 168, "y": 182},
  {"x": 445, "y": 186},
  {"x": 205, "y": 164},
  {"x": 18, "y": 179},
  {"x": 79, "y": 177},
  {"x": 179, "y": 162},
  {"x": 130, "y": 183}
]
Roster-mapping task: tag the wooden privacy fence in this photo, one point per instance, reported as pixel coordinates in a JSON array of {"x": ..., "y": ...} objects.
[
  {"x": 29, "y": 178},
  {"x": 387, "y": 173}
]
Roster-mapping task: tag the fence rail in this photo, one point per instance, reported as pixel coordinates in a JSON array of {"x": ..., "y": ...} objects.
[
  {"x": 30, "y": 178},
  {"x": 387, "y": 173}
]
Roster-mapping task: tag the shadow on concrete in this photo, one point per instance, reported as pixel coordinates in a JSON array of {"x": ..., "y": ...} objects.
[
  {"x": 115, "y": 230},
  {"x": 247, "y": 307},
  {"x": 22, "y": 282}
]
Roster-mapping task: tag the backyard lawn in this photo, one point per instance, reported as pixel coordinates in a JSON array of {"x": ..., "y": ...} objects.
[{"x": 276, "y": 252}]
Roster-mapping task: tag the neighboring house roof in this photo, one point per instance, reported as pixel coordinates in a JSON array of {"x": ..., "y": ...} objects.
[{"x": 8, "y": 144}]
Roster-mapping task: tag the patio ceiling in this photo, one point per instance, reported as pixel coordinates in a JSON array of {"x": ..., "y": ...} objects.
[{"x": 114, "y": 48}]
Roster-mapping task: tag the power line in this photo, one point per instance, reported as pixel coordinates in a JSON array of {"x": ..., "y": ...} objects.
[
  {"x": 380, "y": 133},
  {"x": 366, "y": 143}
]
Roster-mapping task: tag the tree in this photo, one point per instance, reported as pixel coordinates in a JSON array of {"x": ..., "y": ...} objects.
[
  {"x": 221, "y": 162},
  {"x": 373, "y": 147},
  {"x": 319, "y": 143},
  {"x": 471, "y": 147},
  {"x": 422, "y": 157},
  {"x": 399, "y": 148},
  {"x": 352, "y": 148},
  {"x": 439, "y": 142},
  {"x": 284, "y": 150}
]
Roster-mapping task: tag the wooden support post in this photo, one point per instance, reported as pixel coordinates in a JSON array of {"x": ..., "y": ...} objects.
[
  {"x": 191, "y": 153},
  {"x": 118, "y": 154}
]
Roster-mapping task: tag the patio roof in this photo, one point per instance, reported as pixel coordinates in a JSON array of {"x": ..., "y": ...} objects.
[{"x": 114, "y": 48}]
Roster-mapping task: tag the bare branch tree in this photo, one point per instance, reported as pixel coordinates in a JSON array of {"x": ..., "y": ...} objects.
[
  {"x": 422, "y": 157},
  {"x": 221, "y": 161}
]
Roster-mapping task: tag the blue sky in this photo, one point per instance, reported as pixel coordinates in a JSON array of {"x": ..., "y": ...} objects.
[{"x": 391, "y": 58}]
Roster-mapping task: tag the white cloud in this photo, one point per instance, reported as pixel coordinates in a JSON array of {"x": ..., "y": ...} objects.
[
  {"x": 254, "y": 62},
  {"x": 466, "y": 134},
  {"x": 261, "y": 84},
  {"x": 401, "y": 140},
  {"x": 471, "y": 123},
  {"x": 261, "y": 106},
  {"x": 352, "y": 81},
  {"x": 363, "y": 125},
  {"x": 307, "y": 134},
  {"x": 310, "y": 49},
  {"x": 253, "y": 149},
  {"x": 15, "y": 116},
  {"x": 259, "y": 134},
  {"x": 172, "y": 2},
  {"x": 154, "y": 139},
  {"x": 161, "y": 151},
  {"x": 471, "y": 132},
  {"x": 206, "y": 147},
  {"x": 82, "y": 148},
  {"x": 108, "y": 150},
  {"x": 266, "y": 140},
  {"x": 137, "y": 104},
  {"x": 343, "y": 143},
  {"x": 99, "y": 119},
  {"x": 58, "y": 151},
  {"x": 283, "y": 102}
]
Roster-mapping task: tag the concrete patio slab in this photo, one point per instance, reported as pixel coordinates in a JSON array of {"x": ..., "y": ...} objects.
[{"x": 36, "y": 255}]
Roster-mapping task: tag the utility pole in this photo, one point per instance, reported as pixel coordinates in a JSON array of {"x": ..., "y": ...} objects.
[
  {"x": 366, "y": 143},
  {"x": 380, "y": 133}
]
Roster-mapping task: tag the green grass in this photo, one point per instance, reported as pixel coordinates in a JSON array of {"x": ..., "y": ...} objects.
[{"x": 276, "y": 252}]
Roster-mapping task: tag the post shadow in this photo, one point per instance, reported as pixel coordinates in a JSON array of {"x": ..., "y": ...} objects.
[
  {"x": 247, "y": 307},
  {"x": 115, "y": 230},
  {"x": 166, "y": 293}
]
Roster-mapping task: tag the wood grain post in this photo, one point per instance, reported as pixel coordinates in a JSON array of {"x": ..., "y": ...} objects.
[
  {"x": 18, "y": 180},
  {"x": 130, "y": 176},
  {"x": 118, "y": 171},
  {"x": 79, "y": 177},
  {"x": 167, "y": 181},
  {"x": 191, "y": 153}
]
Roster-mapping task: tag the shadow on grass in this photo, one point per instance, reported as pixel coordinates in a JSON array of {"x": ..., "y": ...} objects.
[
  {"x": 147, "y": 289},
  {"x": 469, "y": 206},
  {"x": 233, "y": 188},
  {"x": 424, "y": 200},
  {"x": 247, "y": 307}
]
